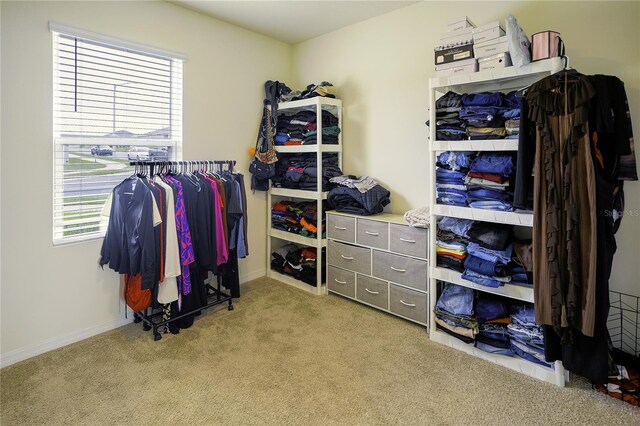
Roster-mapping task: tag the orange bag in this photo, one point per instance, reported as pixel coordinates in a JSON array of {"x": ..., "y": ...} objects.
[{"x": 135, "y": 297}]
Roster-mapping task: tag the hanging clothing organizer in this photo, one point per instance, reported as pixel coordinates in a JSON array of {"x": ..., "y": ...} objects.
[{"x": 170, "y": 224}]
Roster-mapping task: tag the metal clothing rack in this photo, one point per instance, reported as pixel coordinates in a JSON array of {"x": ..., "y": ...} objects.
[{"x": 152, "y": 318}]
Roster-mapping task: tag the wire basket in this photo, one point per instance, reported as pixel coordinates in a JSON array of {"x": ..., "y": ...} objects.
[{"x": 624, "y": 322}]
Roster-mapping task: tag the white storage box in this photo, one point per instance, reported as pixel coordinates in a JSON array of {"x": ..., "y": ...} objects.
[
  {"x": 466, "y": 66},
  {"x": 487, "y": 32},
  {"x": 460, "y": 23},
  {"x": 501, "y": 60},
  {"x": 491, "y": 47},
  {"x": 454, "y": 38}
]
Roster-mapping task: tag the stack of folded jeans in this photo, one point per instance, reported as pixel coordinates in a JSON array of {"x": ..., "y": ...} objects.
[
  {"x": 296, "y": 217},
  {"x": 482, "y": 113},
  {"x": 512, "y": 115},
  {"x": 454, "y": 312},
  {"x": 488, "y": 180},
  {"x": 450, "y": 188},
  {"x": 491, "y": 251},
  {"x": 487, "y": 266},
  {"x": 451, "y": 243},
  {"x": 449, "y": 126},
  {"x": 301, "y": 128},
  {"x": 299, "y": 171},
  {"x": 526, "y": 336},
  {"x": 492, "y": 316},
  {"x": 362, "y": 196},
  {"x": 298, "y": 262}
]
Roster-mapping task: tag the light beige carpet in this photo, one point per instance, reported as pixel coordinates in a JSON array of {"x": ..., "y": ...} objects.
[{"x": 286, "y": 357}]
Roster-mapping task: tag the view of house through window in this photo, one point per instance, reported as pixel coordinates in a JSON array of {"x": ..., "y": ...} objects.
[{"x": 112, "y": 105}]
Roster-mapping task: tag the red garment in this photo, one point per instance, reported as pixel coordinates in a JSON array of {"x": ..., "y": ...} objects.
[{"x": 488, "y": 176}]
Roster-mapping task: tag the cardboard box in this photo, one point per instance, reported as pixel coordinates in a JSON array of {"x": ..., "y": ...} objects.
[
  {"x": 501, "y": 60},
  {"x": 488, "y": 32},
  {"x": 466, "y": 66},
  {"x": 452, "y": 54},
  {"x": 491, "y": 47},
  {"x": 459, "y": 23},
  {"x": 455, "y": 38}
]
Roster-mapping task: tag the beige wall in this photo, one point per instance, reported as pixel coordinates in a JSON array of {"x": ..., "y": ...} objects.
[
  {"x": 59, "y": 294},
  {"x": 381, "y": 67}
]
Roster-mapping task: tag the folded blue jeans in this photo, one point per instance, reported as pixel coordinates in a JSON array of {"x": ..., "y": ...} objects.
[
  {"x": 456, "y": 300},
  {"x": 481, "y": 279},
  {"x": 488, "y": 194},
  {"x": 491, "y": 205},
  {"x": 457, "y": 226},
  {"x": 456, "y": 160},
  {"x": 503, "y": 256},
  {"x": 491, "y": 162},
  {"x": 489, "y": 308},
  {"x": 524, "y": 313},
  {"x": 485, "y": 267},
  {"x": 483, "y": 99}
]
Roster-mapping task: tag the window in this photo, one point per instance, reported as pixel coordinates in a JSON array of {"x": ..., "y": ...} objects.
[{"x": 113, "y": 103}]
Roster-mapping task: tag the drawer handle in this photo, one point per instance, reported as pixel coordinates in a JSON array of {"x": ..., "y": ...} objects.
[
  {"x": 397, "y": 270},
  {"x": 346, "y": 257},
  {"x": 339, "y": 282},
  {"x": 371, "y": 292},
  {"x": 340, "y": 228},
  {"x": 411, "y": 305},
  {"x": 375, "y": 234},
  {"x": 408, "y": 241}
]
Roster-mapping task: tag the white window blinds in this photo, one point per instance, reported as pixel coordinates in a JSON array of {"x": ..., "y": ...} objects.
[{"x": 112, "y": 104}]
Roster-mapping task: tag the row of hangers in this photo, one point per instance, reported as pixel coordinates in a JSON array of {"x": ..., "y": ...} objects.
[
  {"x": 565, "y": 73},
  {"x": 146, "y": 168}
]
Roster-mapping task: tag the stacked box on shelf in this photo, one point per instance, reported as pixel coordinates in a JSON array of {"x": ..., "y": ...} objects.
[
  {"x": 454, "y": 54},
  {"x": 490, "y": 47}
]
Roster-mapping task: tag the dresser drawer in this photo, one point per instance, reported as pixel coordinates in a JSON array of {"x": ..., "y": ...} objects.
[
  {"x": 341, "y": 281},
  {"x": 408, "y": 303},
  {"x": 373, "y": 291},
  {"x": 399, "y": 269},
  {"x": 372, "y": 233},
  {"x": 341, "y": 228},
  {"x": 408, "y": 240},
  {"x": 353, "y": 258}
]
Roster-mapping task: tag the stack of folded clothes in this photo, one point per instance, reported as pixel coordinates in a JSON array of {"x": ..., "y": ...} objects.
[
  {"x": 449, "y": 126},
  {"x": 301, "y": 128},
  {"x": 451, "y": 243},
  {"x": 450, "y": 177},
  {"x": 298, "y": 262},
  {"x": 482, "y": 113},
  {"x": 512, "y": 115},
  {"x": 526, "y": 335},
  {"x": 486, "y": 262},
  {"x": 362, "y": 196},
  {"x": 299, "y": 171},
  {"x": 488, "y": 181},
  {"x": 298, "y": 218},
  {"x": 521, "y": 266},
  {"x": 324, "y": 89},
  {"x": 454, "y": 312},
  {"x": 493, "y": 319}
]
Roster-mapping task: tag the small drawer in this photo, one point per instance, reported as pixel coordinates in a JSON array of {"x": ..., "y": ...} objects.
[
  {"x": 353, "y": 258},
  {"x": 373, "y": 291},
  {"x": 341, "y": 281},
  {"x": 400, "y": 269},
  {"x": 408, "y": 240},
  {"x": 372, "y": 233},
  {"x": 341, "y": 228},
  {"x": 408, "y": 303}
]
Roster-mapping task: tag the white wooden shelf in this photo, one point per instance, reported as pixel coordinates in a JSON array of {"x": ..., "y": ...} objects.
[
  {"x": 495, "y": 80},
  {"x": 476, "y": 145},
  {"x": 275, "y": 237},
  {"x": 297, "y": 193},
  {"x": 510, "y": 218},
  {"x": 288, "y": 279},
  {"x": 296, "y": 238},
  {"x": 514, "y": 363},
  {"x": 511, "y": 291},
  {"x": 295, "y": 149}
]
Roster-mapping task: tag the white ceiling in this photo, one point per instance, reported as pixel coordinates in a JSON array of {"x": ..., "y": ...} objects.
[{"x": 293, "y": 21}]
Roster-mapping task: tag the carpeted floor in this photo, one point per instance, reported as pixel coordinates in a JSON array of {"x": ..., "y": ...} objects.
[{"x": 286, "y": 357}]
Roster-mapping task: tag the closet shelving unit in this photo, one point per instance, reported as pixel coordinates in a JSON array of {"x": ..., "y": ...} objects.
[
  {"x": 276, "y": 237},
  {"x": 502, "y": 80}
]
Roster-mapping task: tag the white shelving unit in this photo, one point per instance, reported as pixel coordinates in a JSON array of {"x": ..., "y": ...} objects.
[
  {"x": 276, "y": 237},
  {"x": 502, "y": 80}
]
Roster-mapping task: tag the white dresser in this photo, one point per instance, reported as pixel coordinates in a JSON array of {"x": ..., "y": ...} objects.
[{"x": 379, "y": 261}]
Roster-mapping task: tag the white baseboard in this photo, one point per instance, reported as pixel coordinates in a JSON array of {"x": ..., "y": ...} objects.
[{"x": 58, "y": 342}]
